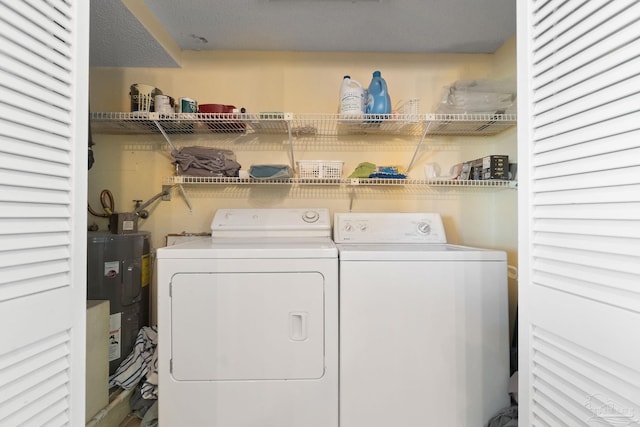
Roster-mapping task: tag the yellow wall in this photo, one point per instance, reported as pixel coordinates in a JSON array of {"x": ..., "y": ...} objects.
[
  {"x": 132, "y": 167},
  {"x": 291, "y": 81},
  {"x": 504, "y": 224}
]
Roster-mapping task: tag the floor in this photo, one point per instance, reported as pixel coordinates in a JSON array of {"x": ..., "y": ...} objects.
[{"x": 130, "y": 421}]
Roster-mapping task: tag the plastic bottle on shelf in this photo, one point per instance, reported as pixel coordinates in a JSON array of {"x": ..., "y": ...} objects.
[
  {"x": 351, "y": 98},
  {"x": 379, "y": 101}
]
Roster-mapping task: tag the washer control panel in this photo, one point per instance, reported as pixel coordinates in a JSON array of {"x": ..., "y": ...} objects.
[{"x": 388, "y": 228}]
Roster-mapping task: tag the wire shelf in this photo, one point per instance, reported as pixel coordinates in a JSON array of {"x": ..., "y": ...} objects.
[
  {"x": 300, "y": 125},
  {"x": 469, "y": 124},
  {"x": 366, "y": 124},
  {"x": 353, "y": 182},
  {"x": 189, "y": 123}
]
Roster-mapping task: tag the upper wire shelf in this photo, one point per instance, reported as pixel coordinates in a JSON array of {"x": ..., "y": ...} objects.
[
  {"x": 300, "y": 125},
  {"x": 188, "y": 123},
  {"x": 468, "y": 124},
  {"x": 186, "y": 179}
]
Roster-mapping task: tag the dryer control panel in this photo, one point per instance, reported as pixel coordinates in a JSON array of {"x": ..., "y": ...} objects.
[
  {"x": 388, "y": 228},
  {"x": 311, "y": 222}
]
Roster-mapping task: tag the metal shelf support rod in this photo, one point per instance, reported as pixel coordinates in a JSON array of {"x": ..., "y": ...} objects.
[
  {"x": 289, "y": 119},
  {"x": 415, "y": 153},
  {"x": 166, "y": 137},
  {"x": 186, "y": 198},
  {"x": 352, "y": 196}
]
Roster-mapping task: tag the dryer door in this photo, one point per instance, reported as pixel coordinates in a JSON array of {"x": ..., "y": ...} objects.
[{"x": 247, "y": 326}]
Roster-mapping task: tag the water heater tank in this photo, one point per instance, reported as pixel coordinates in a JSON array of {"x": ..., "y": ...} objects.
[{"x": 119, "y": 270}]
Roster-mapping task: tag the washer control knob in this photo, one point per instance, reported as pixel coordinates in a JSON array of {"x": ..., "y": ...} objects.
[
  {"x": 348, "y": 227},
  {"x": 424, "y": 228},
  {"x": 363, "y": 227},
  {"x": 310, "y": 216}
]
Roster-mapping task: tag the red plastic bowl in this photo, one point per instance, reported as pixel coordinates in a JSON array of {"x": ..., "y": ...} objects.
[
  {"x": 215, "y": 108},
  {"x": 221, "y": 124}
]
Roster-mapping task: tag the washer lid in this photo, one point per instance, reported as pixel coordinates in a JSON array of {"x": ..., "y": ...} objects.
[
  {"x": 417, "y": 252},
  {"x": 256, "y": 248},
  {"x": 310, "y": 222}
]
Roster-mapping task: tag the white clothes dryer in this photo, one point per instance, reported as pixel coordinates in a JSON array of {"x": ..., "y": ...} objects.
[
  {"x": 423, "y": 324},
  {"x": 248, "y": 323}
]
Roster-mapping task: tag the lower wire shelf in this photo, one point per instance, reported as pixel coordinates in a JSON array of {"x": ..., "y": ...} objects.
[{"x": 331, "y": 187}]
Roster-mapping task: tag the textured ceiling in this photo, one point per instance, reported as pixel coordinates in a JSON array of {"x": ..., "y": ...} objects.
[
  {"x": 118, "y": 39},
  {"x": 453, "y": 26}
]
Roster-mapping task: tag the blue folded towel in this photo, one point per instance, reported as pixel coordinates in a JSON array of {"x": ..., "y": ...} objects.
[
  {"x": 270, "y": 171},
  {"x": 388, "y": 175}
]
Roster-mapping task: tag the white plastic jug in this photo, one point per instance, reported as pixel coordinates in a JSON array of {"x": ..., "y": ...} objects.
[{"x": 352, "y": 102}]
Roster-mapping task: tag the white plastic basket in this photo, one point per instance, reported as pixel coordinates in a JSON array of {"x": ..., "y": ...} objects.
[
  {"x": 320, "y": 169},
  {"x": 411, "y": 110},
  {"x": 142, "y": 96}
]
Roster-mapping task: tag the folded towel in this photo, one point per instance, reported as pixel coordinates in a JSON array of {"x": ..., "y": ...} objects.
[
  {"x": 388, "y": 172},
  {"x": 270, "y": 171},
  {"x": 204, "y": 161},
  {"x": 388, "y": 175}
]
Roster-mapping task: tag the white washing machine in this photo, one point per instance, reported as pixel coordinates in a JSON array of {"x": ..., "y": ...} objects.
[
  {"x": 248, "y": 323},
  {"x": 423, "y": 324}
]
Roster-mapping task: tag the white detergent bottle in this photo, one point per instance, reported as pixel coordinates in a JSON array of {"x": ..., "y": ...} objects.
[{"x": 352, "y": 100}]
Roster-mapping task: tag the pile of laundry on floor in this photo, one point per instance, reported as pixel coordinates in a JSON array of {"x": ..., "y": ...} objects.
[
  {"x": 508, "y": 417},
  {"x": 139, "y": 371}
]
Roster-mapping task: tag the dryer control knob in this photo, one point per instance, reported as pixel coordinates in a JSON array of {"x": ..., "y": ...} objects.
[
  {"x": 310, "y": 216},
  {"x": 424, "y": 228},
  {"x": 348, "y": 227}
]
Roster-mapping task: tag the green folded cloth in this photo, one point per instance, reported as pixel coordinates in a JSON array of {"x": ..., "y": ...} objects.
[{"x": 363, "y": 170}]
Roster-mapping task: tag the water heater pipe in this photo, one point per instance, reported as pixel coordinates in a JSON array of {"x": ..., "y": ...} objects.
[{"x": 140, "y": 209}]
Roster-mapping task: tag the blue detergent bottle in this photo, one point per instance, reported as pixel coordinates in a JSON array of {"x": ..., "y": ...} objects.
[{"x": 378, "y": 101}]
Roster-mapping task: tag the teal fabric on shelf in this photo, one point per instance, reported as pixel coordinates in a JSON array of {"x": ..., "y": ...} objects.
[{"x": 270, "y": 171}]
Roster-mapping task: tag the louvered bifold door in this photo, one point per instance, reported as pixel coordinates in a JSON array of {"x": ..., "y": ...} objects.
[
  {"x": 43, "y": 175},
  {"x": 579, "y": 212}
]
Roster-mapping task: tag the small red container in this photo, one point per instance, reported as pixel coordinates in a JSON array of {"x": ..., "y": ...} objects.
[
  {"x": 223, "y": 123},
  {"x": 215, "y": 108}
]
